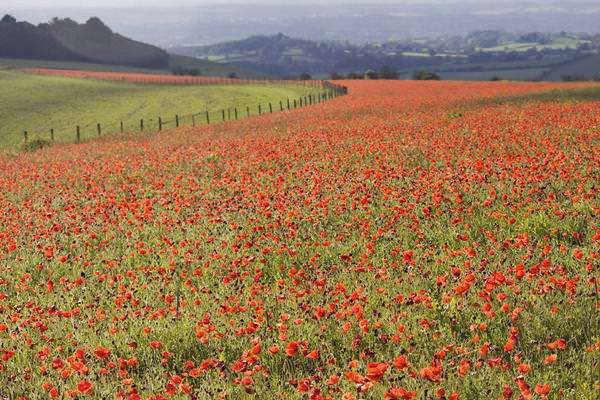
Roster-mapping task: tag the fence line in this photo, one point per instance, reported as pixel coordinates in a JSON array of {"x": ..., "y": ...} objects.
[
  {"x": 206, "y": 117},
  {"x": 164, "y": 79}
]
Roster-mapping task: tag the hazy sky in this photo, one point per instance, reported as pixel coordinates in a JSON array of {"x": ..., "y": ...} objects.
[
  {"x": 41, "y": 4},
  {"x": 82, "y": 4},
  {"x": 45, "y": 4},
  {"x": 105, "y": 3}
]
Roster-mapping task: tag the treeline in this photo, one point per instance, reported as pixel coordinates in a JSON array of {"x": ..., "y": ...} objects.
[
  {"x": 181, "y": 70},
  {"x": 66, "y": 40},
  {"x": 386, "y": 73},
  {"x": 286, "y": 57}
]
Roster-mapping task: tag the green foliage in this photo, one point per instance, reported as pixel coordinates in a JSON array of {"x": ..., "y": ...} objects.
[
  {"x": 36, "y": 144},
  {"x": 423, "y": 75},
  {"x": 8, "y": 19},
  {"x": 95, "y": 41},
  {"x": 66, "y": 40}
]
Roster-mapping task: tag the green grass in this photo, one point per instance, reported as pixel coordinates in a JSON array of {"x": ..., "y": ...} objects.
[
  {"x": 210, "y": 68},
  {"x": 10, "y": 63},
  {"x": 38, "y": 103},
  {"x": 206, "y": 67}
]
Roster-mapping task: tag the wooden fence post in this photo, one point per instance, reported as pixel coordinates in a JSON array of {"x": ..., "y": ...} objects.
[
  {"x": 270, "y": 108},
  {"x": 159, "y": 124},
  {"x": 176, "y": 120},
  {"x": 248, "y": 111},
  {"x": 78, "y": 134},
  {"x": 288, "y": 103},
  {"x": 25, "y": 136},
  {"x": 207, "y": 118},
  {"x": 223, "y": 115},
  {"x": 142, "y": 125},
  {"x": 280, "y": 105},
  {"x": 236, "y": 114},
  {"x": 99, "y": 129},
  {"x": 193, "y": 120},
  {"x": 52, "y": 134},
  {"x": 259, "y": 110},
  {"x": 122, "y": 127}
]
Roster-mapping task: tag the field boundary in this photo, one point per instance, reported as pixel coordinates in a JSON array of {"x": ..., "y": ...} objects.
[
  {"x": 33, "y": 139},
  {"x": 164, "y": 79}
]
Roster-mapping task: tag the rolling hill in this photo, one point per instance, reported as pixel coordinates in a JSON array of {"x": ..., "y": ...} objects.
[
  {"x": 584, "y": 68},
  {"x": 478, "y": 56},
  {"x": 66, "y": 44},
  {"x": 39, "y": 103},
  {"x": 66, "y": 40}
]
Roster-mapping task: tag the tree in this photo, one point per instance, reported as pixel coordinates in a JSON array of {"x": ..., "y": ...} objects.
[
  {"x": 305, "y": 76},
  {"x": 370, "y": 74},
  {"x": 183, "y": 71},
  {"x": 9, "y": 19},
  {"x": 354, "y": 75},
  {"x": 423, "y": 75},
  {"x": 388, "y": 73},
  {"x": 336, "y": 76}
]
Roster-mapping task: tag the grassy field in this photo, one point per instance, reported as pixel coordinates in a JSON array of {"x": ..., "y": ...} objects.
[
  {"x": 558, "y": 44},
  {"x": 10, "y": 63},
  {"x": 38, "y": 103},
  {"x": 586, "y": 67},
  {"x": 206, "y": 67}
]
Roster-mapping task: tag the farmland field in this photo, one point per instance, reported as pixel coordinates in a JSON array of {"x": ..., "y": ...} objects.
[
  {"x": 559, "y": 43},
  {"x": 582, "y": 68},
  {"x": 503, "y": 74},
  {"x": 426, "y": 240},
  {"x": 39, "y": 103},
  {"x": 206, "y": 68}
]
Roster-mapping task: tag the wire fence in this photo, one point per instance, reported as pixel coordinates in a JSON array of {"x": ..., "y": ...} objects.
[
  {"x": 80, "y": 132},
  {"x": 163, "y": 79}
]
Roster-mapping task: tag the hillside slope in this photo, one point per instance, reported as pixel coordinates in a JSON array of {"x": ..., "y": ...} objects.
[
  {"x": 282, "y": 55},
  {"x": 39, "y": 103},
  {"x": 66, "y": 40},
  {"x": 584, "y": 68},
  {"x": 97, "y": 42},
  {"x": 27, "y": 41}
]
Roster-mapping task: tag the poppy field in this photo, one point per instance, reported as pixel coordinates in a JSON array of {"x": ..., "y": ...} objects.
[{"x": 411, "y": 240}]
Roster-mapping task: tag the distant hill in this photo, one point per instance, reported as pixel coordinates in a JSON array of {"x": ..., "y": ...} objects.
[
  {"x": 66, "y": 40},
  {"x": 481, "y": 55},
  {"x": 285, "y": 56},
  {"x": 584, "y": 68}
]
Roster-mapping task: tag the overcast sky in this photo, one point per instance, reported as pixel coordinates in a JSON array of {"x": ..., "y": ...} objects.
[
  {"x": 45, "y": 4},
  {"x": 40, "y": 4},
  {"x": 83, "y": 4}
]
